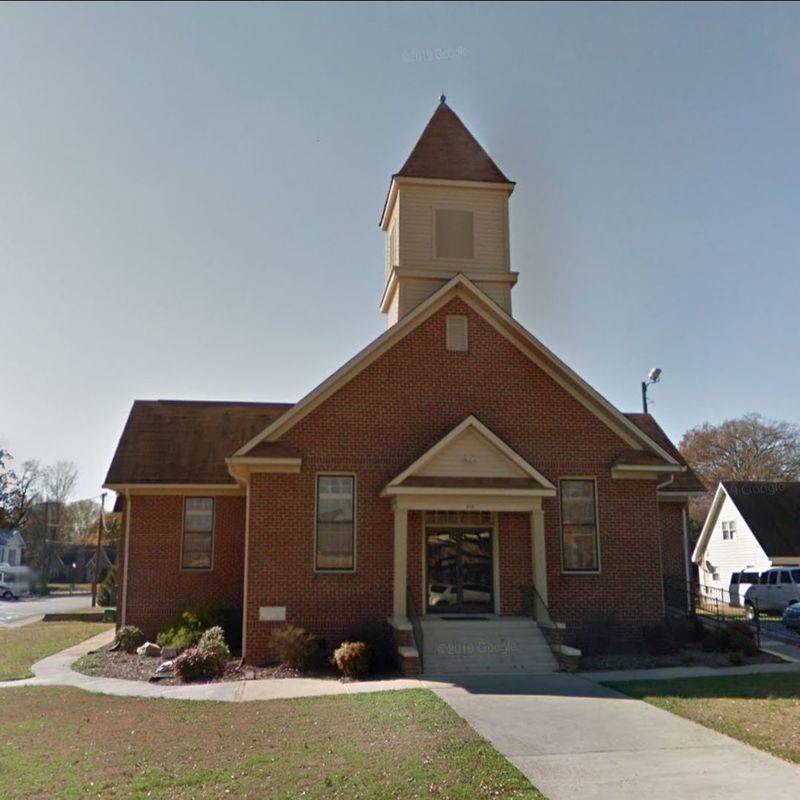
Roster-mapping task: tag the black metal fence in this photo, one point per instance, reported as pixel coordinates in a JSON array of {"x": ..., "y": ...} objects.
[{"x": 712, "y": 606}]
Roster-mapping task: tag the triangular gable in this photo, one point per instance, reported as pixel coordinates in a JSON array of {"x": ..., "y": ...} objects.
[
  {"x": 473, "y": 453},
  {"x": 461, "y": 287},
  {"x": 708, "y": 525}
]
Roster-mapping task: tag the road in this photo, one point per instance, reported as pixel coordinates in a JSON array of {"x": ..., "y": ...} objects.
[{"x": 14, "y": 611}]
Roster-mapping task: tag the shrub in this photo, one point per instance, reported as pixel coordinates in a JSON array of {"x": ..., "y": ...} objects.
[
  {"x": 107, "y": 591},
  {"x": 382, "y": 651},
  {"x": 129, "y": 637},
  {"x": 728, "y": 639},
  {"x": 295, "y": 647},
  {"x": 351, "y": 659},
  {"x": 659, "y": 640},
  {"x": 196, "y": 664},
  {"x": 213, "y": 642},
  {"x": 686, "y": 629},
  {"x": 597, "y": 634},
  {"x": 736, "y": 658},
  {"x": 187, "y": 629}
]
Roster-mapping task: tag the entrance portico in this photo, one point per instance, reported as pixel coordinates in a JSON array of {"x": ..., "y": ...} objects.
[{"x": 461, "y": 486}]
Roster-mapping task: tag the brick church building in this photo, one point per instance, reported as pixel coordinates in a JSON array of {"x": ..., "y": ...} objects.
[{"x": 452, "y": 468}]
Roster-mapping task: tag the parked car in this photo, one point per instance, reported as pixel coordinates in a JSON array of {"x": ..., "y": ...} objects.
[
  {"x": 740, "y": 582},
  {"x": 777, "y": 588},
  {"x": 14, "y": 582},
  {"x": 791, "y": 617}
]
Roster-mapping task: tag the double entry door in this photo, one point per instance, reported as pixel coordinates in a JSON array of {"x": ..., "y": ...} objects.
[{"x": 460, "y": 575}]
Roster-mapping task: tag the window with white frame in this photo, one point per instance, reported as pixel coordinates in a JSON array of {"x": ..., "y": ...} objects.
[
  {"x": 579, "y": 539},
  {"x": 728, "y": 530},
  {"x": 455, "y": 237},
  {"x": 198, "y": 533},
  {"x": 335, "y": 540}
]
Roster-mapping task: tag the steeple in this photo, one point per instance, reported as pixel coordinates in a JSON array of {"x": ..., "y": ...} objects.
[{"x": 446, "y": 213}]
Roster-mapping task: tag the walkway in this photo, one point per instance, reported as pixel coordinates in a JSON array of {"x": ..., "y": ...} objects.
[{"x": 575, "y": 738}]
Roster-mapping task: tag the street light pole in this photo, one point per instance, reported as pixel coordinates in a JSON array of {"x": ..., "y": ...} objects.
[{"x": 654, "y": 376}]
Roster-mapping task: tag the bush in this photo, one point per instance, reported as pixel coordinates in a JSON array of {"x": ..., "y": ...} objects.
[
  {"x": 382, "y": 651},
  {"x": 129, "y": 637},
  {"x": 107, "y": 591},
  {"x": 213, "y": 642},
  {"x": 351, "y": 659},
  {"x": 597, "y": 634},
  {"x": 188, "y": 628},
  {"x": 736, "y": 658},
  {"x": 686, "y": 629},
  {"x": 730, "y": 638},
  {"x": 196, "y": 664},
  {"x": 295, "y": 647},
  {"x": 659, "y": 639}
]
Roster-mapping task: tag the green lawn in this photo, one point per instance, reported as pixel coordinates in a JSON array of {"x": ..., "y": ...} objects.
[
  {"x": 762, "y": 710},
  {"x": 23, "y": 646},
  {"x": 60, "y": 742}
]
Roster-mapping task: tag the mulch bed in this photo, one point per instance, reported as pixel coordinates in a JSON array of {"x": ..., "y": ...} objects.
[
  {"x": 690, "y": 656},
  {"x": 105, "y": 663}
]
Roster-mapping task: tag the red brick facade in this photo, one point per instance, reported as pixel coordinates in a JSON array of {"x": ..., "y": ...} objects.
[
  {"x": 158, "y": 589},
  {"x": 373, "y": 427},
  {"x": 672, "y": 544}
]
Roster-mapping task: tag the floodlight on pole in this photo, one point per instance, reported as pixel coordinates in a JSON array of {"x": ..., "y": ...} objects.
[{"x": 654, "y": 376}]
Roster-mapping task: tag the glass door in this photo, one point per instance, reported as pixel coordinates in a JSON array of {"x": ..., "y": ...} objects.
[{"x": 459, "y": 571}]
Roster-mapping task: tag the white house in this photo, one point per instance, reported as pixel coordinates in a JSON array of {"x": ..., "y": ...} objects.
[
  {"x": 11, "y": 546},
  {"x": 751, "y": 526}
]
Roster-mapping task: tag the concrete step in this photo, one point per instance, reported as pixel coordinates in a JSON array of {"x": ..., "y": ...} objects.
[{"x": 495, "y": 645}]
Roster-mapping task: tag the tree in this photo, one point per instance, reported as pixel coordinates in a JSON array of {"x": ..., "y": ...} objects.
[
  {"x": 17, "y": 491},
  {"x": 751, "y": 448}
]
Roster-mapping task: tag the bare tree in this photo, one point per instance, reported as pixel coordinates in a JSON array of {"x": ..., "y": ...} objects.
[
  {"x": 58, "y": 481},
  {"x": 17, "y": 491},
  {"x": 751, "y": 448}
]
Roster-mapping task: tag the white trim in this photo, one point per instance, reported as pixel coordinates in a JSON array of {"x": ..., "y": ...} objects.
[
  {"x": 334, "y": 474},
  {"x": 708, "y": 525},
  {"x": 393, "y": 491},
  {"x": 462, "y": 287},
  {"x": 128, "y": 513},
  {"x": 470, "y": 422},
  {"x": 599, "y": 569},
  {"x": 444, "y": 502},
  {"x": 188, "y": 489},
  {"x": 246, "y": 569}
]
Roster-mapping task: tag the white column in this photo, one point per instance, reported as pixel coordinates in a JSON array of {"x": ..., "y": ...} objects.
[
  {"x": 400, "y": 561},
  {"x": 538, "y": 553}
]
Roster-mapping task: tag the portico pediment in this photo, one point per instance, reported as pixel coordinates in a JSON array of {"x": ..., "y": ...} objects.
[{"x": 471, "y": 459}]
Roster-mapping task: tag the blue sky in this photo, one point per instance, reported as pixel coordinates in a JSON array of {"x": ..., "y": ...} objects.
[{"x": 189, "y": 197}]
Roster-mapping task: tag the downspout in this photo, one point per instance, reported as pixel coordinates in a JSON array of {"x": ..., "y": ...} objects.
[
  {"x": 685, "y": 523},
  {"x": 246, "y": 567},
  {"x": 128, "y": 511}
]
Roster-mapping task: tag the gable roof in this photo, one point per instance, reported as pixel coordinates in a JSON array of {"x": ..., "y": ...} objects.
[
  {"x": 685, "y": 482},
  {"x": 8, "y": 536},
  {"x": 186, "y": 442},
  {"x": 447, "y": 150},
  {"x": 771, "y": 510},
  {"x": 463, "y": 288},
  {"x": 517, "y": 475}
]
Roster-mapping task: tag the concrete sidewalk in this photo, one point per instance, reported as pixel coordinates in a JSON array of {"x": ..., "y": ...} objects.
[{"x": 574, "y": 738}]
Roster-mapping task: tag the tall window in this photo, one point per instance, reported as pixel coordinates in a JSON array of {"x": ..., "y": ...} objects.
[
  {"x": 454, "y": 234},
  {"x": 335, "y": 522},
  {"x": 198, "y": 533},
  {"x": 579, "y": 525}
]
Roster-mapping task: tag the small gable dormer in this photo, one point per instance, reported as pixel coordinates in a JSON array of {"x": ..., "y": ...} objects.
[{"x": 446, "y": 213}]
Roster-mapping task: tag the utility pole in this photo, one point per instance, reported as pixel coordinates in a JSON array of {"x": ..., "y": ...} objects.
[{"x": 100, "y": 526}]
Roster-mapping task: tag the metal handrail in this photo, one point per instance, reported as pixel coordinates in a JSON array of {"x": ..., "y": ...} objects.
[
  {"x": 535, "y": 606},
  {"x": 416, "y": 625}
]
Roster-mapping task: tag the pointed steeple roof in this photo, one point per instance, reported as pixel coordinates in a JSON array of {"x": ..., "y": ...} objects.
[{"x": 447, "y": 150}]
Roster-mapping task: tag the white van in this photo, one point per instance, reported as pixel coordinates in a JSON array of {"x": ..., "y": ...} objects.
[
  {"x": 777, "y": 588},
  {"x": 740, "y": 582},
  {"x": 15, "y": 582}
]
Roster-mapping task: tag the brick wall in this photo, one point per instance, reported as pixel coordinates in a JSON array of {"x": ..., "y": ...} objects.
[
  {"x": 672, "y": 540},
  {"x": 390, "y": 414},
  {"x": 157, "y": 587}
]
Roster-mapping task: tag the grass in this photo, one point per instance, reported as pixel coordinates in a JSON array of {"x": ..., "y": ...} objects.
[
  {"x": 761, "y": 710},
  {"x": 63, "y": 743},
  {"x": 21, "y": 647}
]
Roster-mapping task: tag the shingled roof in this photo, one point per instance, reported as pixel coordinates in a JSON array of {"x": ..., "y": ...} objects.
[
  {"x": 772, "y": 512},
  {"x": 447, "y": 150},
  {"x": 683, "y": 481},
  {"x": 179, "y": 441}
]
